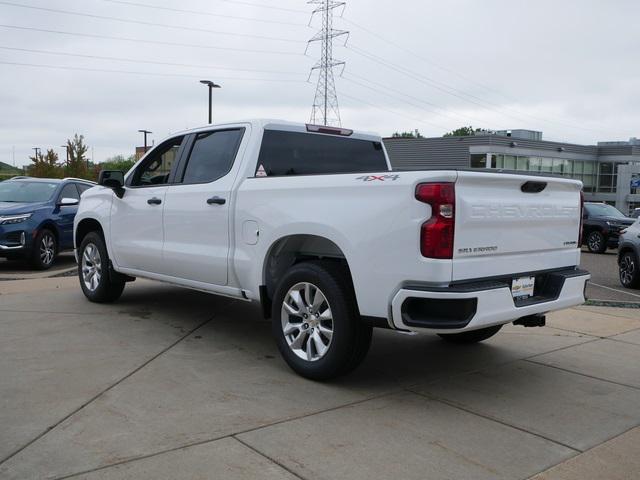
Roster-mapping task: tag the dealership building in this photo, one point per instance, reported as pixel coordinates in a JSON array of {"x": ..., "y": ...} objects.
[{"x": 610, "y": 171}]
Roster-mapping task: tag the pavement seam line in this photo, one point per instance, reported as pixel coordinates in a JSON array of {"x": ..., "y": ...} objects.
[
  {"x": 620, "y": 384},
  {"x": 614, "y": 289},
  {"x": 264, "y": 455},
  {"x": 230, "y": 435},
  {"x": 496, "y": 365},
  {"x": 589, "y": 308},
  {"x": 110, "y": 387},
  {"x": 493, "y": 419},
  {"x": 586, "y": 452}
]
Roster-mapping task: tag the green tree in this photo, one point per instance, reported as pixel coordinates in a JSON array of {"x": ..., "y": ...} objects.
[
  {"x": 77, "y": 164},
  {"x": 118, "y": 162},
  {"x": 45, "y": 166},
  {"x": 465, "y": 132},
  {"x": 415, "y": 134}
]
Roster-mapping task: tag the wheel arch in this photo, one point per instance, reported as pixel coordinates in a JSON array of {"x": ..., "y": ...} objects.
[
  {"x": 86, "y": 226},
  {"x": 48, "y": 225},
  {"x": 289, "y": 250}
]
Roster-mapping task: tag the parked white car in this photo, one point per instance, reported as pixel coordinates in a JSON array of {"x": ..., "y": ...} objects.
[{"x": 312, "y": 223}]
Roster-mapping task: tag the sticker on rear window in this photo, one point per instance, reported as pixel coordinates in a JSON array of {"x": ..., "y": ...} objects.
[{"x": 261, "y": 171}]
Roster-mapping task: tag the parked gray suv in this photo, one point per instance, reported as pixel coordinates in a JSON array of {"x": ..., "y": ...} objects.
[{"x": 629, "y": 256}]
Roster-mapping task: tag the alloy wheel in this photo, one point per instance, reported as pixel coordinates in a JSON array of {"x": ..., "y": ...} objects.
[
  {"x": 307, "y": 321},
  {"x": 91, "y": 267},
  {"x": 594, "y": 242},
  {"x": 627, "y": 270},
  {"x": 47, "y": 249}
]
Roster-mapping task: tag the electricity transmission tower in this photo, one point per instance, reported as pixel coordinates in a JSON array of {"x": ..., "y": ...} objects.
[{"x": 325, "y": 109}]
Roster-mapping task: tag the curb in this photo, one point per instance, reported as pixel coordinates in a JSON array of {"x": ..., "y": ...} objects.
[{"x": 611, "y": 303}]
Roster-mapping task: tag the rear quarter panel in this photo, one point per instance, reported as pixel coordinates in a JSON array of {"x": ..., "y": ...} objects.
[{"x": 373, "y": 218}]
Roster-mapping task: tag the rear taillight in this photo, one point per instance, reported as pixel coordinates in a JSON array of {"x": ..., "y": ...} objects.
[
  {"x": 436, "y": 234},
  {"x": 581, "y": 218}
]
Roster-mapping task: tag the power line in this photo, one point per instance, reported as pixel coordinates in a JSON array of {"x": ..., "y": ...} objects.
[
  {"x": 150, "y": 24},
  {"x": 413, "y": 119},
  {"x": 464, "y": 77},
  {"x": 270, "y": 7},
  {"x": 385, "y": 91},
  {"x": 151, "y": 74},
  {"x": 199, "y": 12},
  {"x": 151, "y": 62},
  {"x": 153, "y": 42}
]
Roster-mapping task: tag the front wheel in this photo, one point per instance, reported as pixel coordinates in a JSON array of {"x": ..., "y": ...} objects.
[
  {"x": 473, "y": 336},
  {"x": 45, "y": 249},
  {"x": 629, "y": 270},
  {"x": 316, "y": 323},
  {"x": 95, "y": 279},
  {"x": 596, "y": 243}
]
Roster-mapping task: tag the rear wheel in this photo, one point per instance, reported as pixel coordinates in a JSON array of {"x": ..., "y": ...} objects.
[
  {"x": 473, "y": 336},
  {"x": 596, "y": 243},
  {"x": 95, "y": 279},
  {"x": 45, "y": 249},
  {"x": 316, "y": 323},
  {"x": 629, "y": 270}
]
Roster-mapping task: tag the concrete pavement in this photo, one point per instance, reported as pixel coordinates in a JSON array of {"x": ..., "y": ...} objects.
[{"x": 169, "y": 383}]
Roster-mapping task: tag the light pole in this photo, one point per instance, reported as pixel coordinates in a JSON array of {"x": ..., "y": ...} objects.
[
  {"x": 37, "y": 149},
  {"x": 66, "y": 151},
  {"x": 211, "y": 86},
  {"x": 145, "y": 132}
]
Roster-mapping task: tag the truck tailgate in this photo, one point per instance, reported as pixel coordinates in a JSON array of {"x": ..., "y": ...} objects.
[{"x": 508, "y": 224}]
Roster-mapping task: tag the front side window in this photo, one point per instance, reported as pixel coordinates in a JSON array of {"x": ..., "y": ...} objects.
[
  {"x": 212, "y": 156},
  {"x": 156, "y": 168},
  {"x": 26, "y": 192}
]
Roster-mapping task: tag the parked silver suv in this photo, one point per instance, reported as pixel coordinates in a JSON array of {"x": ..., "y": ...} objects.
[{"x": 629, "y": 256}]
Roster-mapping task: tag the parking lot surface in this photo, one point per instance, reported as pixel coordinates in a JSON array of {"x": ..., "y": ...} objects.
[
  {"x": 605, "y": 284},
  {"x": 175, "y": 384}
]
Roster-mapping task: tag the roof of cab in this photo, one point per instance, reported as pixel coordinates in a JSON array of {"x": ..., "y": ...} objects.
[{"x": 274, "y": 124}]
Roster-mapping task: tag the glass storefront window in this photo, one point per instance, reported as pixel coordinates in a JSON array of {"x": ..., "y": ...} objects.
[
  {"x": 522, "y": 163},
  {"x": 478, "y": 161},
  {"x": 509, "y": 162},
  {"x": 546, "y": 164},
  {"x": 577, "y": 168},
  {"x": 534, "y": 164}
]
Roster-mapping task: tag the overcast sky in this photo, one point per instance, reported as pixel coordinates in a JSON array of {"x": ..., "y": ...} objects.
[{"x": 567, "y": 67}]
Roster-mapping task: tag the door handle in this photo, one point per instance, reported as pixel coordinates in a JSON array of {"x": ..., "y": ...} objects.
[
  {"x": 216, "y": 201},
  {"x": 154, "y": 201}
]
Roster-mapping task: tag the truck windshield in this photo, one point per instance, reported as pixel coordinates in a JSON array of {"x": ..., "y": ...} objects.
[
  {"x": 294, "y": 153},
  {"x": 603, "y": 210},
  {"x": 26, "y": 192}
]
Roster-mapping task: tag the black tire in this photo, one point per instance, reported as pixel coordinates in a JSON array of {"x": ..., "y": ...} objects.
[
  {"x": 44, "y": 251},
  {"x": 473, "y": 336},
  {"x": 629, "y": 270},
  {"x": 107, "y": 289},
  {"x": 351, "y": 338},
  {"x": 596, "y": 242}
]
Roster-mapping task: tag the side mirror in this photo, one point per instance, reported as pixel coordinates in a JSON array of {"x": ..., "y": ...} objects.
[
  {"x": 68, "y": 202},
  {"x": 113, "y": 179}
]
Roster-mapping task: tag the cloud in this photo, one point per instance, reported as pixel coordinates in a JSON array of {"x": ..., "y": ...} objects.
[{"x": 566, "y": 68}]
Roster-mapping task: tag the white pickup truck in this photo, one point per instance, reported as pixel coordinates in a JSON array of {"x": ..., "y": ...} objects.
[{"x": 313, "y": 223}]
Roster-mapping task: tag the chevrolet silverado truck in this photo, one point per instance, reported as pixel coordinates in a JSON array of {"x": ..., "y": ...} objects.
[{"x": 313, "y": 223}]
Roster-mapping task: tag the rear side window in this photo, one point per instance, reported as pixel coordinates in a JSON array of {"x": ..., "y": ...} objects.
[
  {"x": 212, "y": 156},
  {"x": 83, "y": 187},
  {"x": 70, "y": 191},
  {"x": 293, "y": 153}
]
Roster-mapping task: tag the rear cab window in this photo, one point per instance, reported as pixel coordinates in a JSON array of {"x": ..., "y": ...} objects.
[{"x": 296, "y": 153}]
